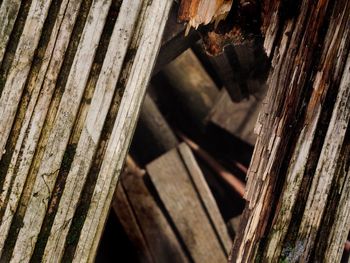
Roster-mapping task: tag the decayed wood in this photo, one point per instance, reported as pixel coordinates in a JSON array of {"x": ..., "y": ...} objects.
[
  {"x": 160, "y": 238},
  {"x": 228, "y": 177},
  {"x": 58, "y": 139},
  {"x": 191, "y": 87},
  {"x": 127, "y": 218},
  {"x": 8, "y": 14},
  {"x": 206, "y": 195},
  {"x": 238, "y": 118},
  {"x": 40, "y": 166},
  {"x": 303, "y": 142},
  {"x": 174, "y": 41},
  {"x": 198, "y": 12},
  {"x": 240, "y": 68},
  {"x": 152, "y": 133},
  {"x": 17, "y": 76},
  {"x": 202, "y": 229}
]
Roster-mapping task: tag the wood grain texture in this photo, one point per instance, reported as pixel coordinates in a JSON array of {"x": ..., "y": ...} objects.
[
  {"x": 200, "y": 229},
  {"x": 301, "y": 159},
  {"x": 126, "y": 216},
  {"x": 237, "y": 118},
  {"x": 157, "y": 231},
  {"x": 71, "y": 80},
  {"x": 198, "y": 12},
  {"x": 8, "y": 14}
]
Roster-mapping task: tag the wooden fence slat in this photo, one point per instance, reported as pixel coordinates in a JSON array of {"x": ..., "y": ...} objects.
[{"x": 71, "y": 114}]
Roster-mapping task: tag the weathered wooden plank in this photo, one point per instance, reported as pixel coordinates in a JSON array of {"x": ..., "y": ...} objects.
[
  {"x": 124, "y": 211},
  {"x": 302, "y": 147},
  {"x": 206, "y": 196},
  {"x": 175, "y": 186},
  {"x": 238, "y": 118},
  {"x": 160, "y": 237},
  {"x": 66, "y": 103},
  {"x": 58, "y": 139},
  {"x": 88, "y": 141},
  {"x": 190, "y": 82},
  {"x": 152, "y": 133},
  {"x": 20, "y": 67},
  {"x": 8, "y": 14},
  {"x": 326, "y": 171},
  {"x": 124, "y": 125},
  {"x": 42, "y": 85}
]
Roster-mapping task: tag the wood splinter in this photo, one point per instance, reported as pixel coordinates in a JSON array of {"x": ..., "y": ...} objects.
[{"x": 197, "y": 12}]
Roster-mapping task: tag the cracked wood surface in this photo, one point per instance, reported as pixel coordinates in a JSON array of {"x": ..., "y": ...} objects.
[
  {"x": 299, "y": 172},
  {"x": 73, "y": 77},
  {"x": 197, "y": 12}
]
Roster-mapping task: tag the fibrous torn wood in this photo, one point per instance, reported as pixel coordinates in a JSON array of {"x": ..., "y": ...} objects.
[{"x": 197, "y": 12}]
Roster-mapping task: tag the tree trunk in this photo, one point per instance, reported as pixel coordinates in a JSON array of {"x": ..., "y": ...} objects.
[{"x": 298, "y": 182}]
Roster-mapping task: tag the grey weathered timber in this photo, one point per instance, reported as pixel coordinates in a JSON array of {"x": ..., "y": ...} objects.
[
  {"x": 238, "y": 118},
  {"x": 191, "y": 86},
  {"x": 188, "y": 201},
  {"x": 69, "y": 102},
  {"x": 156, "y": 230},
  {"x": 152, "y": 133},
  {"x": 298, "y": 179}
]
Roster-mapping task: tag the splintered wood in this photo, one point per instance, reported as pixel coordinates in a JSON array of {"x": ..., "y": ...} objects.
[
  {"x": 73, "y": 75},
  {"x": 299, "y": 178},
  {"x": 197, "y": 12}
]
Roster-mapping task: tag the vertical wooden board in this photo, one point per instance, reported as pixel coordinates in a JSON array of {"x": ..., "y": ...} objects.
[
  {"x": 53, "y": 144},
  {"x": 160, "y": 237},
  {"x": 20, "y": 67},
  {"x": 43, "y": 87},
  {"x": 302, "y": 131},
  {"x": 138, "y": 78},
  {"x": 88, "y": 141},
  {"x": 58, "y": 139},
  {"x": 126, "y": 216},
  {"x": 175, "y": 188},
  {"x": 206, "y": 196},
  {"x": 327, "y": 166},
  {"x": 8, "y": 14}
]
